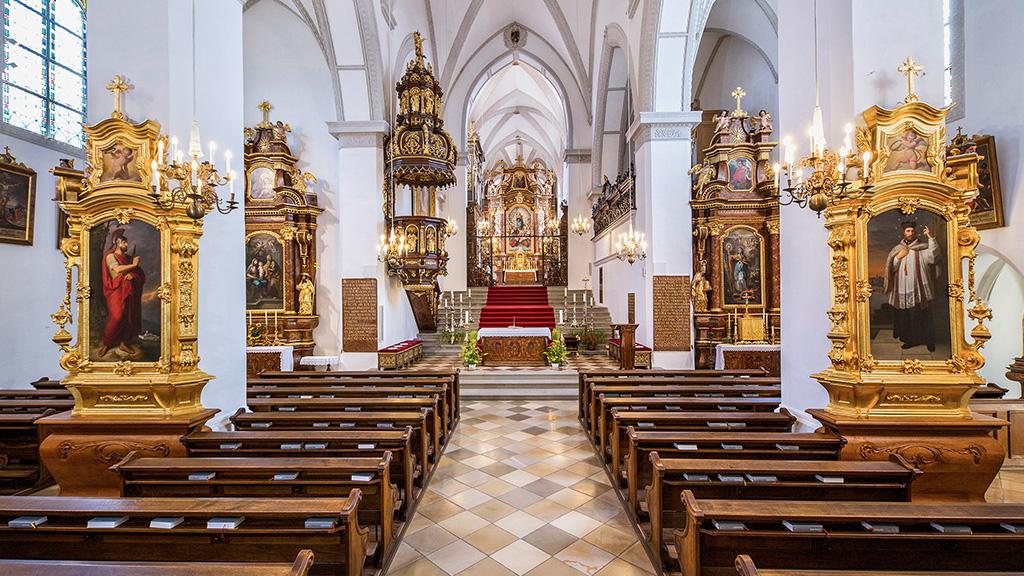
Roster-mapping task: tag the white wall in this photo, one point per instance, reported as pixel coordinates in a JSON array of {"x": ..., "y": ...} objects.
[
  {"x": 280, "y": 55},
  {"x": 1002, "y": 288},
  {"x": 160, "y": 67},
  {"x": 34, "y": 285}
]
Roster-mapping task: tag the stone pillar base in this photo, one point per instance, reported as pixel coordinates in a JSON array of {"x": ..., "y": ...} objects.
[
  {"x": 959, "y": 457},
  {"x": 79, "y": 450}
]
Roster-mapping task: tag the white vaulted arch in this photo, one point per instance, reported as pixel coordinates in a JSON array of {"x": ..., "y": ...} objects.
[{"x": 615, "y": 73}]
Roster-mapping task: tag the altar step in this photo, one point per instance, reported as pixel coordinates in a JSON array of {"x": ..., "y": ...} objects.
[{"x": 484, "y": 383}]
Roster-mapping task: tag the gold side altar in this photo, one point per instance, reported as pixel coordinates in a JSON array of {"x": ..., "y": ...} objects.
[
  {"x": 902, "y": 371},
  {"x": 133, "y": 365}
]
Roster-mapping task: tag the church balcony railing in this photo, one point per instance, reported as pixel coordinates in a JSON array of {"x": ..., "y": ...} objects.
[{"x": 617, "y": 200}]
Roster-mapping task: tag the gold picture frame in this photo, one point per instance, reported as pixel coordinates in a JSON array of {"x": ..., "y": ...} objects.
[
  {"x": 987, "y": 207},
  {"x": 17, "y": 200}
]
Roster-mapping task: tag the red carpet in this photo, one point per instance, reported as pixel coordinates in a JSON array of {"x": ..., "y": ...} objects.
[{"x": 526, "y": 306}]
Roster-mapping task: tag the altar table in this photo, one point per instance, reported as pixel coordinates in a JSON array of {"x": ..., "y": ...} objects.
[
  {"x": 260, "y": 358},
  {"x": 514, "y": 346},
  {"x": 741, "y": 356},
  {"x": 520, "y": 276}
]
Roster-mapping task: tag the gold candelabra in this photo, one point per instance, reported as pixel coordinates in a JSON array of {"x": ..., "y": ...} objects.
[
  {"x": 827, "y": 182},
  {"x": 632, "y": 246},
  {"x": 392, "y": 249},
  {"x": 581, "y": 225}
]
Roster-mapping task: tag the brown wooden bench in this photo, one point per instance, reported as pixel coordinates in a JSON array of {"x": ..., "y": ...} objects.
[
  {"x": 33, "y": 394},
  {"x": 306, "y": 379},
  {"x": 270, "y": 478},
  {"x": 19, "y": 449},
  {"x": 700, "y": 388},
  {"x": 731, "y": 445},
  {"x": 890, "y": 536},
  {"x": 34, "y": 405},
  {"x": 766, "y": 480},
  {"x": 45, "y": 383},
  {"x": 359, "y": 389},
  {"x": 282, "y": 421},
  {"x": 317, "y": 444},
  {"x": 676, "y": 404},
  {"x": 585, "y": 376},
  {"x": 272, "y": 530},
  {"x": 427, "y": 406},
  {"x": 612, "y": 448},
  {"x": 300, "y": 567},
  {"x": 745, "y": 567}
]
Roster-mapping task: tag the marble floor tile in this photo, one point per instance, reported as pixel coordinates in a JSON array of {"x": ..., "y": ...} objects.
[{"x": 520, "y": 556}]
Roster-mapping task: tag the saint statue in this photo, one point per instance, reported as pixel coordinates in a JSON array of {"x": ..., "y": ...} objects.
[
  {"x": 910, "y": 286},
  {"x": 306, "y": 294},
  {"x": 699, "y": 289},
  {"x": 123, "y": 280}
]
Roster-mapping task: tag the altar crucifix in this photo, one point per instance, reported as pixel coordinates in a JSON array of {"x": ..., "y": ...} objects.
[
  {"x": 118, "y": 86},
  {"x": 911, "y": 69},
  {"x": 738, "y": 94}
]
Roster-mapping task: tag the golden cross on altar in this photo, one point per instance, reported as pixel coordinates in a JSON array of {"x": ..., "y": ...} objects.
[
  {"x": 911, "y": 69},
  {"x": 265, "y": 107},
  {"x": 738, "y": 94},
  {"x": 118, "y": 86}
]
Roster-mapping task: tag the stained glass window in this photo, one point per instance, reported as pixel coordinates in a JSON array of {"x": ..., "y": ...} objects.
[{"x": 44, "y": 67}]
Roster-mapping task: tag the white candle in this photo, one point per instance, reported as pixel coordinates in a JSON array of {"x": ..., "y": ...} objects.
[
  {"x": 213, "y": 148},
  {"x": 561, "y": 316},
  {"x": 160, "y": 151},
  {"x": 467, "y": 316},
  {"x": 574, "y": 298},
  {"x": 867, "y": 169},
  {"x": 174, "y": 147},
  {"x": 227, "y": 163},
  {"x": 154, "y": 175}
]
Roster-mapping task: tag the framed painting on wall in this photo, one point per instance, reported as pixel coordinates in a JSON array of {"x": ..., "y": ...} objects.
[
  {"x": 17, "y": 200},
  {"x": 742, "y": 265},
  {"x": 987, "y": 207},
  {"x": 264, "y": 280}
]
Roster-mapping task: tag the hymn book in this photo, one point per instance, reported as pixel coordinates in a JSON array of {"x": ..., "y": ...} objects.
[
  {"x": 166, "y": 522},
  {"x": 27, "y": 522},
  {"x": 106, "y": 521},
  {"x": 224, "y": 522}
]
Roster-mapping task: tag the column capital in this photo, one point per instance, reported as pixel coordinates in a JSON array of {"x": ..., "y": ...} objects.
[
  {"x": 577, "y": 156},
  {"x": 672, "y": 126},
  {"x": 359, "y": 133}
]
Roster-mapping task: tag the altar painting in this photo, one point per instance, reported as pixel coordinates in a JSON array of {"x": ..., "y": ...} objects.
[
  {"x": 264, "y": 281},
  {"x": 741, "y": 174},
  {"x": 907, "y": 151},
  {"x": 742, "y": 256},
  {"x": 519, "y": 228}
]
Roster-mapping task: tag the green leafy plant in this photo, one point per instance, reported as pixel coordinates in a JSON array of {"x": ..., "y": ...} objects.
[
  {"x": 471, "y": 352},
  {"x": 452, "y": 336},
  {"x": 556, "y": 351},
  {"x": 594, "y": 338}
]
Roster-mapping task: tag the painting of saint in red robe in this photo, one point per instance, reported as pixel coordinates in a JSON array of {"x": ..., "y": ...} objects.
[
  {"x": 125, "y": 312},
  {"x": 741, "y": 174}
]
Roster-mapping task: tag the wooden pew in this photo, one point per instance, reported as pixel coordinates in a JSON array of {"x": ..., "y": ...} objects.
[
  {"x": 713, "y": 421},
  {"x": 269, "y": 478},
  {"x": 388, "y": 379},
  {"x": 585, "y": 375},
  {"x": 740, "y": 445},
  {"x": 427, "y": 406},
  {"x": 677, "y": 404},
  {"x": 19, "y": 449},
  {"x": 664, "y": 381},
  {"x": 707, "y": 544},
  {"x": 421, "y": 440},
  {"x": 745, "y": 567},
  {"x": 317, "y": 444},
  {"x": 33, "y": 394},
  {"x": 34, "y": 405},
  {"x": 45, "y": 383},
  {"x": 300, "y": 567},
  {"x": 668, "y": 387},
  {"x": 298, "y": 388},
  {"x": 273, "y": 530},
  {"x": 767, "y": 480}
]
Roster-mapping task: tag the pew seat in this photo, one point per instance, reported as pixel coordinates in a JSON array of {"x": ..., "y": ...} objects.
[
  {"x": 300, "y": 567},
  {"x": 271, "y": 530},
  {"x": 745, "y": 567}
]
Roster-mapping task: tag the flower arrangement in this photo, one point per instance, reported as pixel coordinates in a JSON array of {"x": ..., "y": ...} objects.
[
  {"x": 556, "y": 351},
  {"x": 471, "y": 352}
]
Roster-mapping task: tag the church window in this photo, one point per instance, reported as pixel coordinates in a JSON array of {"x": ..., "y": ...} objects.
[
  {"x": 953, "y": 57},
  {"x": 43, "y": 88}
]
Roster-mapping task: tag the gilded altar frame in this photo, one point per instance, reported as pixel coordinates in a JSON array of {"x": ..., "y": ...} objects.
[
  {"x": 859, "y": 384},
  {"x": 172, "y": 384}
]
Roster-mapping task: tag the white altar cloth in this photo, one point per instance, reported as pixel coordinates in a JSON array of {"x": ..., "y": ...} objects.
[
  {"x": 721, "y": 349},
  {"x": 317, "y": 361},
  {"x": 485, "y": 332},
  {"x": 287, "y": 354}
]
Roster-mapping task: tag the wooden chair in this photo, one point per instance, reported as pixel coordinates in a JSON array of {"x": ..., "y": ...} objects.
[{"x": 272, "y": 530}]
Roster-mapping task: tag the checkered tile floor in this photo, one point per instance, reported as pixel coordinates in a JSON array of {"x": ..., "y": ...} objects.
[
  {"x": 519, "y": 490},
  {"x": 450, "y": 362}
]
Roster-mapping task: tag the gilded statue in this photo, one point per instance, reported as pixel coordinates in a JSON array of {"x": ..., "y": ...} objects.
[
  {"x": 306, "y": 295},
  {"x": 699, "y": 289}
]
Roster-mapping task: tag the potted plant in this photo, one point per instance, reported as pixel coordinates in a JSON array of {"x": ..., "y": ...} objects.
[
  {"x": 556, "y": 351},
  {"x": 471, "y": 352},
  {"x": 593, "y": 338}
]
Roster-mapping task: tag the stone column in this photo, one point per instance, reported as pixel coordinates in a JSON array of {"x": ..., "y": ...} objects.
[
  {"x": 576, "y": 184},
  {"x": 361, "y": 223},
  {"x": 663, "y": 157}
]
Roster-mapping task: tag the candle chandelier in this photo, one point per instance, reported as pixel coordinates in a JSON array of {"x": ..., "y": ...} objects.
[
  {"x": 827, "y": 181},
  {"x": 581, "y": 225},
  {"x": 632, "y": 246}
]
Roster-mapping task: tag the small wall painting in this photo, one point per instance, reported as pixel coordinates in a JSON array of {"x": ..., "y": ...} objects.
[
  {"x": 907, "y": 151},
  {"x": 741, "y": 173},
  {"x": 742, "y": 250},
  {"x": 124, "y": 309},
  {"x": 261, "y": 184},
  {"x": 17, "y": 201},
  {"x": 987, "y": 207},
  {"x": 909, "y": 286},
  {"x": 264, "y": 280},
  {"x": 119, "y": 164}
]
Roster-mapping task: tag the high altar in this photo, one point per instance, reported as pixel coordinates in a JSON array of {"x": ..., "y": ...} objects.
[
  {"x": 901, "y": 370},
  {"x": 280, "y": 241},
  {"x": 735, "y": 282},
  {"x": 134, "y": 223}
]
